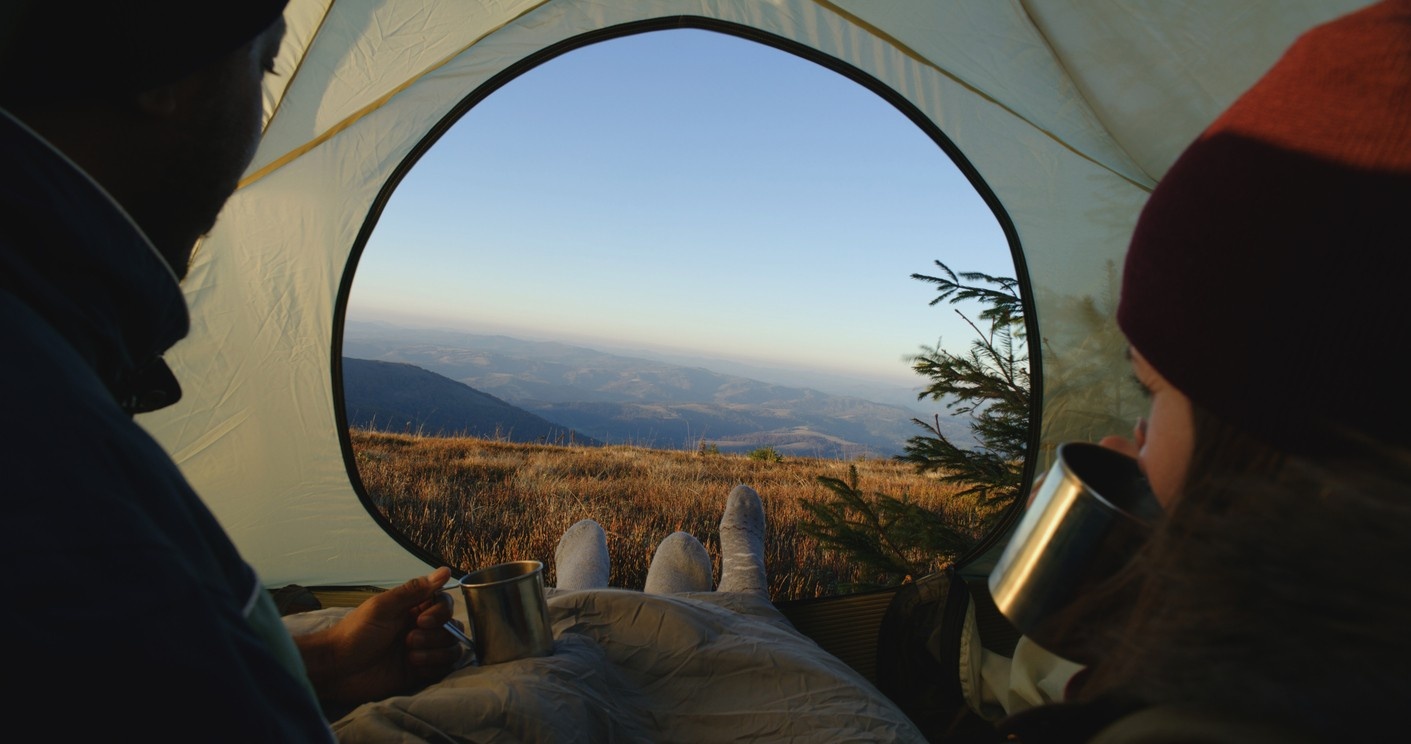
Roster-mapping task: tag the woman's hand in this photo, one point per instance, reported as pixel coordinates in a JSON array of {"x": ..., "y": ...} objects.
[
  {"x": 1129, "y": 447},
  {"x": 392, "y": 643}
]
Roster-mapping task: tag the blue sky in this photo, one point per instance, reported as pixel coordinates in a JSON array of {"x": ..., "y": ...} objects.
[{"x": 685, "y": 190}]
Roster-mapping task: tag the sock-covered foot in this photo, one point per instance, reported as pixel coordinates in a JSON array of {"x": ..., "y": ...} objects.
[
  {"x": 742, "y": 543},
  {"x": 681, "y": 564},
  {"x": 581, "y": 558}
]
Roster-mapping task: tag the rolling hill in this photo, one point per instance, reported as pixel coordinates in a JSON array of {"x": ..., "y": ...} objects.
[{"x": 402, "y": 398}]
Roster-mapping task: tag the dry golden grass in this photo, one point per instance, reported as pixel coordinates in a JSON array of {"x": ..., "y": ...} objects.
[{"x": 475, "y": 502}]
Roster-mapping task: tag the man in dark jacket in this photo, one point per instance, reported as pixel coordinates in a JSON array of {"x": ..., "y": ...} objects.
[{"x": 124, "y": 128}]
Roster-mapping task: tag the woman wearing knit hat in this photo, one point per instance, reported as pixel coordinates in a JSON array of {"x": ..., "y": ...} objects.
[{"x": 1263, "y": 301}]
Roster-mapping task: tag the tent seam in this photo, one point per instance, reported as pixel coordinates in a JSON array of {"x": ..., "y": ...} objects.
[
  {"x": 1023, "y": 6},
  {"x": 294, "y": 75},
  {"x": 912, "y": 53},
  {"x": 274, "y": 111},
  {"x": 381, "y": 101}
]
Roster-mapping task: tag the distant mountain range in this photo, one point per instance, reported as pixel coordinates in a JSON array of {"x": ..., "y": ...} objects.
[
  {"x": 547, "y": 391},
  {"x": 403, "y": 398}
]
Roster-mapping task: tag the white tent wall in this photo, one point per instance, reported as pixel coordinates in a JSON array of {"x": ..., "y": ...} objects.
[
  {"x": 1067, "y": 110},
  {"x": 1157, "y": 72}
]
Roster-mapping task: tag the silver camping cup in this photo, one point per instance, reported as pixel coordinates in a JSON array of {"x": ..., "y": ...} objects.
[
  {"x": 508, "y": 613},
  {"x": 1091, "y": 513}
]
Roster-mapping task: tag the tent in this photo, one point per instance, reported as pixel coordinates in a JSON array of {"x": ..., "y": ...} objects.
[{"x": 1064, "y": 114}]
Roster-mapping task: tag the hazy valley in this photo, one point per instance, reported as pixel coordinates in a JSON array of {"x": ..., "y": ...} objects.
[{"x": 453, "y": 383}]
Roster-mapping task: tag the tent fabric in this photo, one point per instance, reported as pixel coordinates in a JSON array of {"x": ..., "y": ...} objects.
[
  {"x": 1065, "y": 112},
  {"x": 629, "y": 666}
]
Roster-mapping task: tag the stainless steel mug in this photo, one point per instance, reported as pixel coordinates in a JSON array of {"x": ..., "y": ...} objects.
[
  {"x": 508, "y": 613},
  {"x": 1092, "y": 511}
]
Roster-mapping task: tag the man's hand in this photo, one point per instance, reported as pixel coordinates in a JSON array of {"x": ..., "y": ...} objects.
[{"x": 392, "y": 643}]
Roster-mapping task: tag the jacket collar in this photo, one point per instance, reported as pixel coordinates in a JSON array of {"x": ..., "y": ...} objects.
[{"x": 70, "y": 252}]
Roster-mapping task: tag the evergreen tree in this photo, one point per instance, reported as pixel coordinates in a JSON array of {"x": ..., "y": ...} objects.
[
  {"x": 989, "y": 382},
  {"x": 898, "y": 538},
  {"x": 894, "y": 538}
]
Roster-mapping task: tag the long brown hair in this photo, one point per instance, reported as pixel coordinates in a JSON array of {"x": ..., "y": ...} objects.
[{"x": 1276, "y": 588}]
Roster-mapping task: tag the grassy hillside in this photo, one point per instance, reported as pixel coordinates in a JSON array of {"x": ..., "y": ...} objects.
[{"x": 477, "y": 502}]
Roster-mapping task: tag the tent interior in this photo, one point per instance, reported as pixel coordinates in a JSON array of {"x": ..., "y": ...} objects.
[{"x": 1062, "y": 113}]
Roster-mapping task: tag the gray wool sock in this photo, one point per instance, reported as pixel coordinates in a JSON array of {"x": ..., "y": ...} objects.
[
  {"x": 742, "y": 544},
  {"x": 681, "y": 564},
  {"x": 581, "y": 558}
]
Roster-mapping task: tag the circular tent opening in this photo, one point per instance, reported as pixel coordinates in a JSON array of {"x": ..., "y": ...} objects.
[{"x": 650, "y": 268}]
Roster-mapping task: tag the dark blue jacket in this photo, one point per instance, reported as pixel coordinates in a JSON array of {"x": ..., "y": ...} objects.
[{"x": 125, "y": 611}]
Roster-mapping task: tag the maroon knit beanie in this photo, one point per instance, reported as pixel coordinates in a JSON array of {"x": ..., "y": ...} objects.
[
  {"x": 1269, "y": 276},
  {"x": 65, "y": 50}
]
